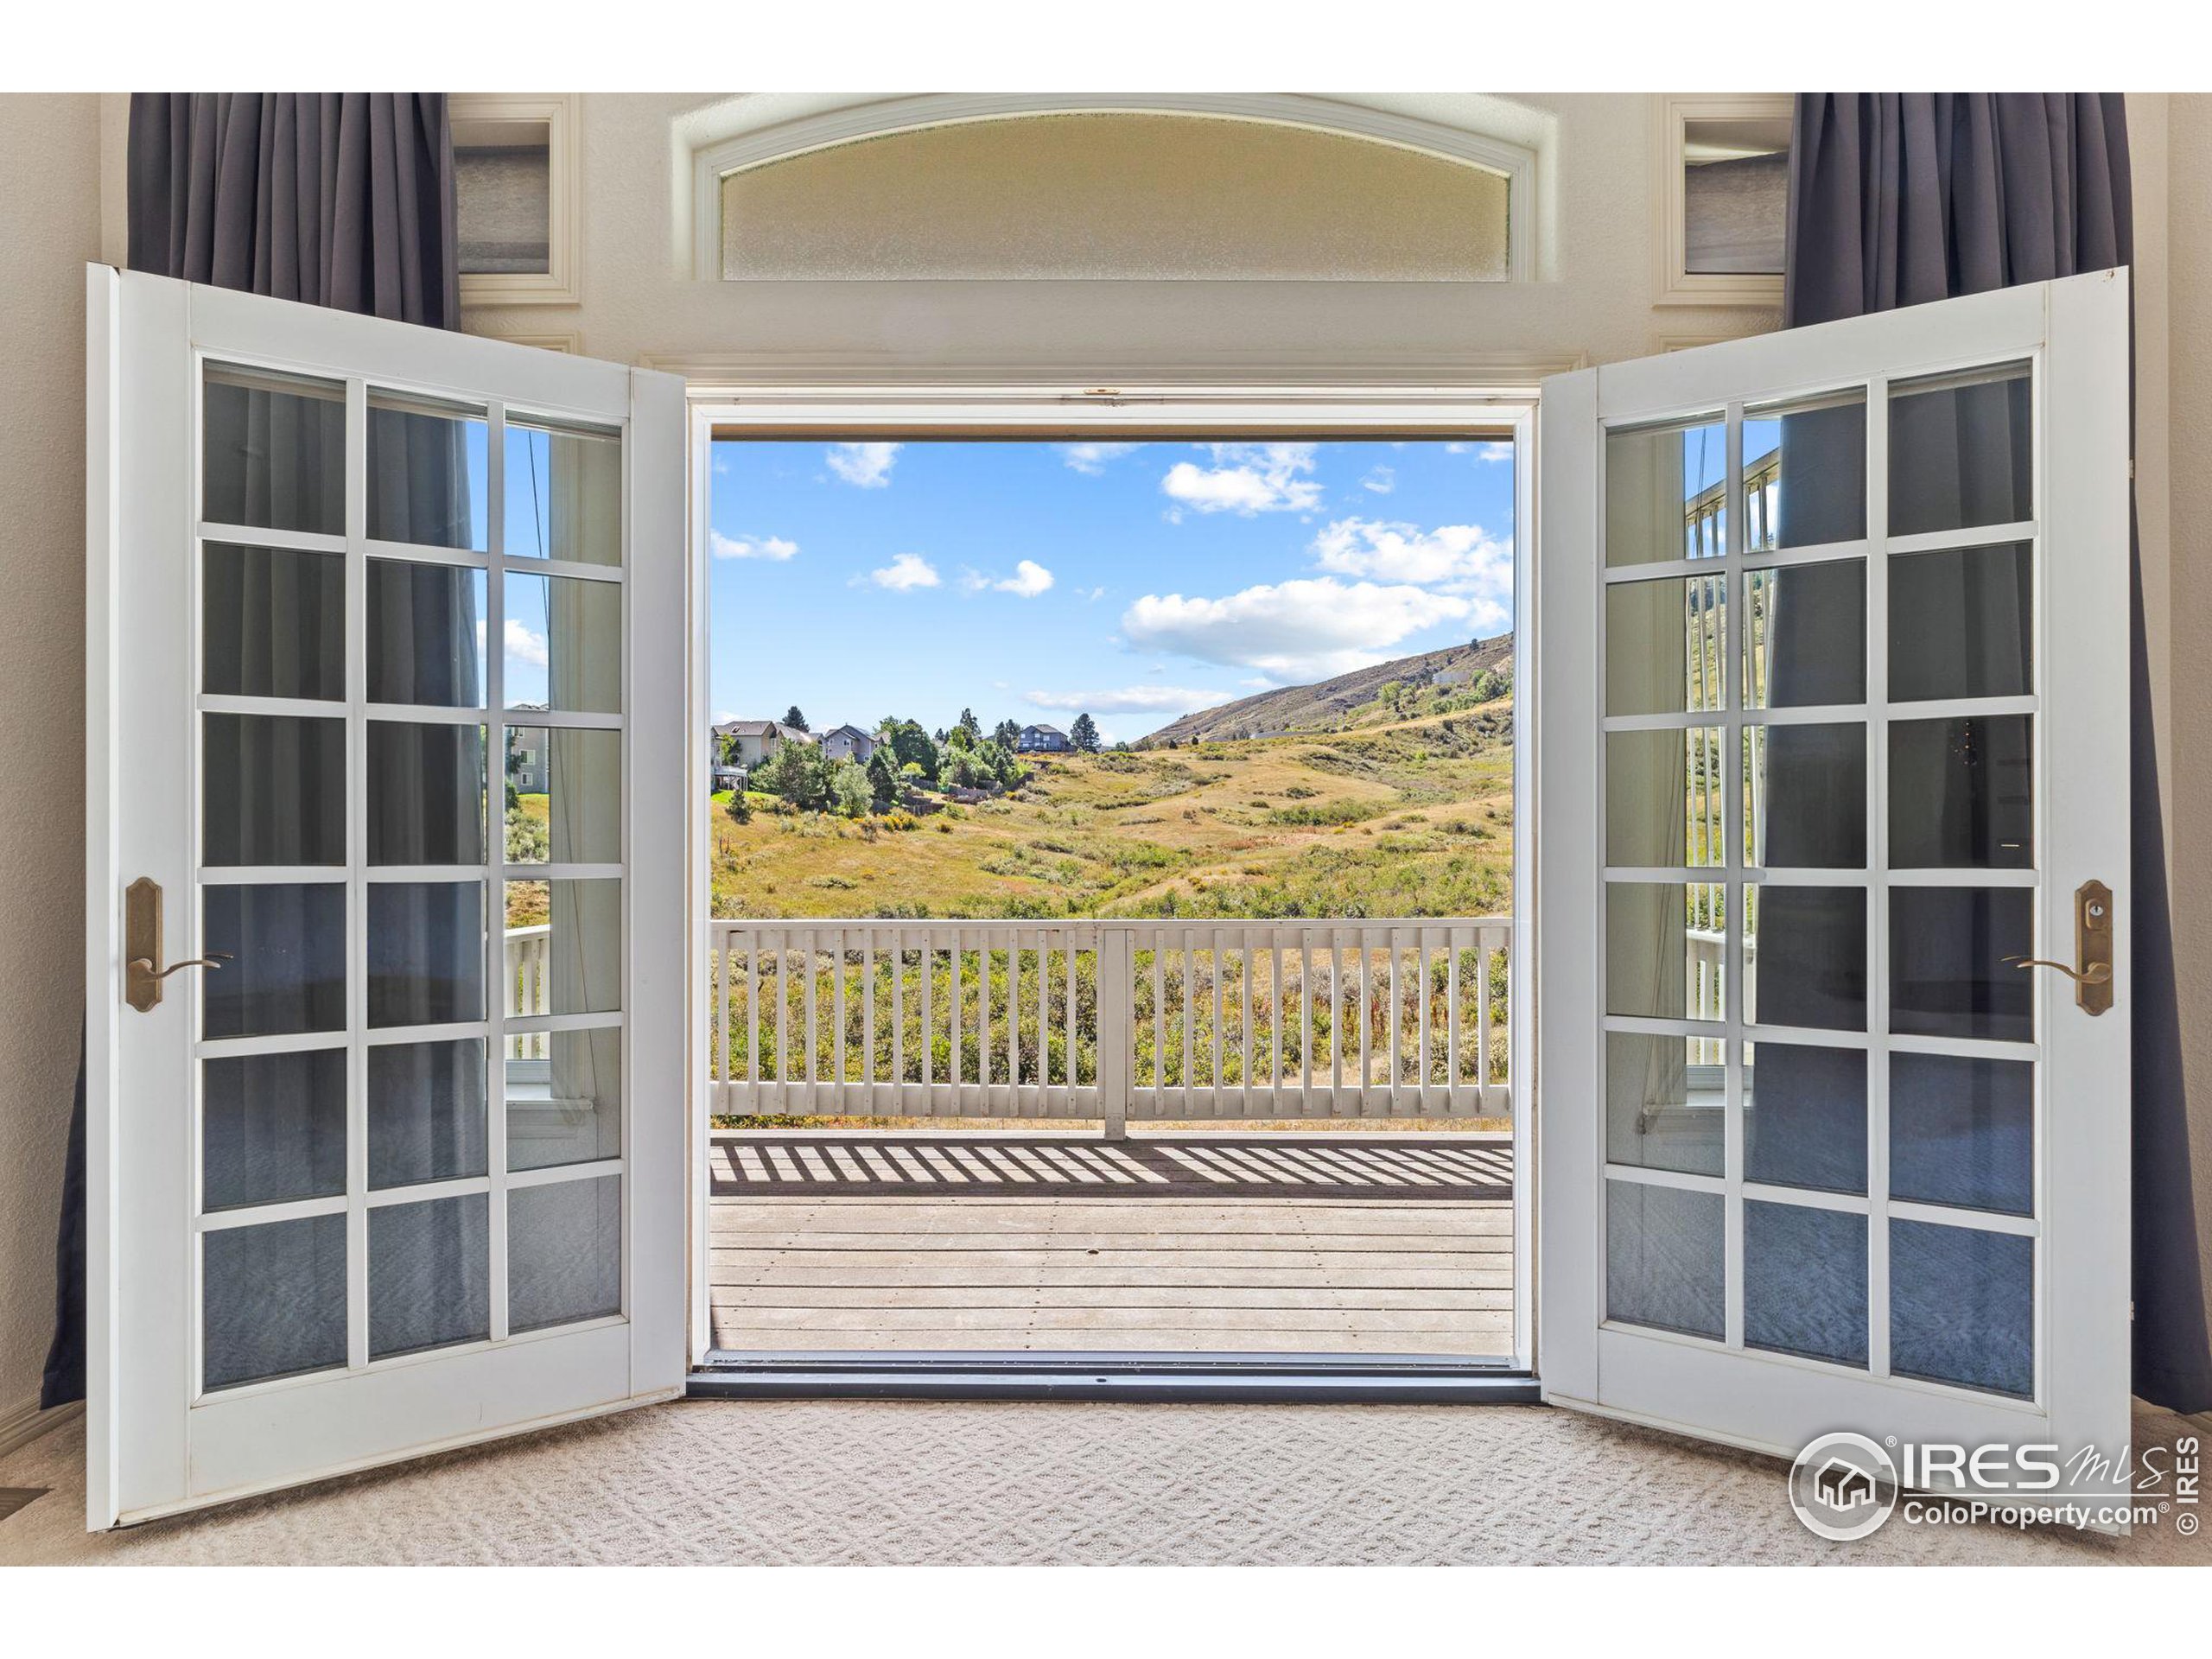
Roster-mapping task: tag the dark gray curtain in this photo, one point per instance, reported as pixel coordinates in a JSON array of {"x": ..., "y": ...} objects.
[
  {"x": 1898, "y": 199},
  {"x": 345, "y": 200},
  {"x": 337, "y": 198}
]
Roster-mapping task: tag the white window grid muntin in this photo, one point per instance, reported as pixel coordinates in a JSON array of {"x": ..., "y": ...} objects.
[
  {"x": 357, "y": 1037},
  {"x": 1876, "y": 878}
]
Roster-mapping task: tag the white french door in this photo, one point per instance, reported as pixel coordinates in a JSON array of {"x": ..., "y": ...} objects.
[
  {"x": 1833, "y": 755},
  {"x": 385, "y": 891}
]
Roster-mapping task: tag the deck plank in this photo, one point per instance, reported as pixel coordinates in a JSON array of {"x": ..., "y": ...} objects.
[{"x": 1093, "y": 1266}]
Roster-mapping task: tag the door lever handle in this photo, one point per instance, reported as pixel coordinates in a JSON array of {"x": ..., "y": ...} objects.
[
  {"x": 2097, "y": 973},
  {"x": 143, "y": 972},
  {"x": 144, "y": 965},
  {"x": 2092, "y": 967}
]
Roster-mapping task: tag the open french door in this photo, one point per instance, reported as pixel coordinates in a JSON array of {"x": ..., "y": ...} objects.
[
  {"x": 1833, "y": 883},
  {"x": 386, "y": 774}
]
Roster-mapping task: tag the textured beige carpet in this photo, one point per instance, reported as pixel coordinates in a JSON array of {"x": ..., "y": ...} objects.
[{"x": 742, "y": 1483}]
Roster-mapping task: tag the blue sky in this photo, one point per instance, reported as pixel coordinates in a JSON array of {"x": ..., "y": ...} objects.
[{"x": 1136, "y": 582}]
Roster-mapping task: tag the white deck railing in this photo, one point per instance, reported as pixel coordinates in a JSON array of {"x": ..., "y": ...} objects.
[
  {"x": 528, "y": 956},
  {"x": 1110, "y": 1019}
]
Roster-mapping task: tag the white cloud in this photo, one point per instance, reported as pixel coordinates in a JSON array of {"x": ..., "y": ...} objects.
[
  {"x": 750, "y": 547},
  {"x": 906, "y": 571},
  {"x": 1130, "y": 699},
  {"x": 1029, "y": 579},
  {"x": 1246, "y": 479},
  {"x": 1381, "y": 479},
  {"x": 868, "y": 465},
  {"x": 1306, "y": 629},
  {"x": 1093, "y": 596},
  {"x": 723, "y": 716},
  {"x": 1457, "y": 558},
  {"x": 1495, "y": 450},
  {"x": 1091, "y": 458},
  {"x": 525, "y": 646}
]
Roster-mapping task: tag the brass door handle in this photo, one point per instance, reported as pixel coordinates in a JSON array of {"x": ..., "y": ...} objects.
[
  {"x": 2097, "y": 973},
  {"x": 143, "y": 972},
  {"x": 2091, "y": 969}
]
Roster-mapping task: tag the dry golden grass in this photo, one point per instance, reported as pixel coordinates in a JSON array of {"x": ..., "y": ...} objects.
[{"x": 1404, "y": 818}]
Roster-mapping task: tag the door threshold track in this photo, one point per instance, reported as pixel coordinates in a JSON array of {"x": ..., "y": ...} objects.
[{"x": 1169, "y": 1378}]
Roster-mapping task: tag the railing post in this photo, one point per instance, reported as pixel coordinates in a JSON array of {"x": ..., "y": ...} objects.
[{"x": 1116, "y": 1003}]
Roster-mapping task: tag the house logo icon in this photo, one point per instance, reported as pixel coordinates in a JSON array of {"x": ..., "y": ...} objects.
[{"x": 1843, "y": 1486}]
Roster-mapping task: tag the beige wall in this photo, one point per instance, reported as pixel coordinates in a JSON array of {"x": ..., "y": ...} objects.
[
  {"x": 49, "y": 226},
  {"x": 54, "y": 215}
]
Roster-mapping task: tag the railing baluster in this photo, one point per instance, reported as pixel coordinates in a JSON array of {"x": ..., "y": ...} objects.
[
  {"x": 1190, "y": 1015},
  {"x": 1482, "y": 1029},
  {"x": 1421, "y": 990},
  {"x": 1067, "y": 1015},
  {"x": 837, "y": 1054},
  {"x": 898, "y": 1017},
  {"x": 868, "y": 1014},
  {"x": 1275, "y": 1050},
  {"x": 1014, "y": 1019},
  {"x": 1158, "y": 1022},
  {"x": 928, "y": 1028},
  {"x": 1452, "y": 939},
  {"x": 720, "y": 1070},
  {"x": 813, "y": 1039},
  {"x": 1220, "y": 991},
  {"x": 1043, "y": 1020},
  {"x": 1244, "y": 1018},
  {"x": 1305, "y": 1021}
]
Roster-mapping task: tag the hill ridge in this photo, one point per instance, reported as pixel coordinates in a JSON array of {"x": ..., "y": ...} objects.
[{"x": 1323, "y": 705}]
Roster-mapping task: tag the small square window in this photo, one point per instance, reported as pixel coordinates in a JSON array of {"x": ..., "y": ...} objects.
[
  {"x": 1721, "y": 185},
  {"x": 516, "y": 185}
]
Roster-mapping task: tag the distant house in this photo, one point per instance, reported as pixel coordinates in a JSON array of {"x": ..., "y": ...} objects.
[
  {"x": 527, "y": 768},
  {"x": 850, "y": 743},
  {"x": 726, "y": 778},
  {"x": 749, "y": 742},
  {"x": 1043, "y": 739}
]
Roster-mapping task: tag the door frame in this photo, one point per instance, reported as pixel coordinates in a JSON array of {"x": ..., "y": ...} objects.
[
  {"x": 923, "y": 409},
  {"x": 1686, "y": 1380}
]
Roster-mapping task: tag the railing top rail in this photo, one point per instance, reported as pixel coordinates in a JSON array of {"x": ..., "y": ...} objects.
[{"x": 1196, "y": 923}]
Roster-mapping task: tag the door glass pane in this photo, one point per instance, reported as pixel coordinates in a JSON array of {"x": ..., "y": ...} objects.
[
  {"x": 564, "y": 493},
  {"x": 272, "y": 1301},
  {"x": 1960, "y": 793},
  {"x": 564, "y": 946},
  {"x": 426, "y": 793},
  {"x": 1663, "y": 1258},
  {"x": 1805, "y": 796},
  {"x": 1805, "y": 1117},
  {"x": 1805, "y": 957},
  {"x": 567, "y": 801},
  {"x": 1962, "y": 1132},
  {"x": 564, "y": 1252},
  {"x": 286, "y": 969},
  {"x": 1665, "y": 1102},
  {"x": 1960, "y": 451},
  {"x": 273, "y": 622},
  {"x": 1665, "y": 949},
  {"x": 428, "y": 472},
  {"x": 273, "y": 451},
  {"x": 1666, "y": 495},
  {"x": 564, "y": 1097},
  {"x": 272, "y": 790},
  {"x": 1953, "y": 962},
  {"x": 1960, "y": 623},
  {"x": 426, "y": 1112},
  {"x": 1962, "y": 1306},
  {"x": 426, "y": 952},
  {"x": 1805, "y": 1281},
  {"x": 564, "y": 644},
  {"x": 1807, "y": 643},
  {"x": 1665, "y": 642},
  {"x": 430, "y": 1274},
  {"x": 1662, "y": 798},
  {"x": 426, "y": 634},
  {"x": 272, "y": 1129},
  {"x": 1805, "y": 473}
]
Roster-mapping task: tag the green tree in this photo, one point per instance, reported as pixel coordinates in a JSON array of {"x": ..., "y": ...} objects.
[
  {"x": 849, "y": 792},
  {"x": 882, "y": 778},
  {"x": 797, "y": 771},
  {"x": 970, "y": 724},
  {"x": 1006, "y": 735},
  {"x": 911, "y": 746},
  {"x": 795, "y": 719},
  {"x": 1085, "y": 734}
]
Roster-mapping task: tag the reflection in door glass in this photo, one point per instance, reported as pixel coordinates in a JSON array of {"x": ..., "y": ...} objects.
[
  {"x": 1960, "y": 623},
  {"x": 429, "y": 482},
  {"x": 1805, "y": 1281},
  {"x": 273, "y": 451},
  {"x": 1663, "y": 1258},
  {"x": 272, "y": 1301},
  {"x": 1666, "y": 493},
  {"x": 1666, "y": 642},
  {"x": 1805, "y": 473},
  {"x": 1960, "y": 451}
]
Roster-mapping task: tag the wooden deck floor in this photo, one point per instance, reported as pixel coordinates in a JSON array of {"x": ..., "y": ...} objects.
[{"x": 1266, "y": 1243}]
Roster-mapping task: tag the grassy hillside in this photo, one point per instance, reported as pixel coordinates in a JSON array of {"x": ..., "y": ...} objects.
[
  {"x": 1350, "y": 699},
  {"x": 1392, "y": 817}
]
